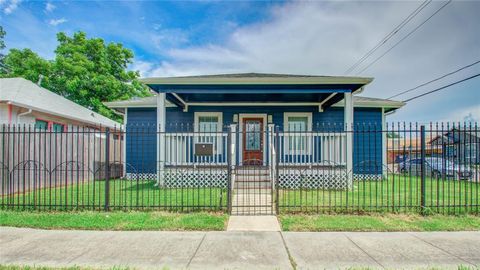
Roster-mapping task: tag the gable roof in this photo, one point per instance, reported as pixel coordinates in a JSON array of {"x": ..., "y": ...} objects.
[
  {"x": 256, "y": 79},
  {"x": 24, "y": 93}
]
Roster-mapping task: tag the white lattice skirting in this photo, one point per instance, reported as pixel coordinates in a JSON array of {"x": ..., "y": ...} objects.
[
  {"x": 309, "y": 180},
  {"x": 287, "y": 179},
  {"x": 174, "y": 178}
]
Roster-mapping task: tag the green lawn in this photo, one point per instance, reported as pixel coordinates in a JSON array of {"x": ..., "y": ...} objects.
[
  {"x": 124, "y": 195},
  {"x": 397, "y": 194},
  {"x": 379, "y": 223},
  {"x": 204, "y": 221}
]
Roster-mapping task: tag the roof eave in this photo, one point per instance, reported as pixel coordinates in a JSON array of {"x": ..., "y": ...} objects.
[{"x": 256, "y": 81}]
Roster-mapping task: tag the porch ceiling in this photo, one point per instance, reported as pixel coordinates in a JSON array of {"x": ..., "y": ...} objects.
[
  {"x": 258, "y": 98},
  {"x": 256, "y": 89}
]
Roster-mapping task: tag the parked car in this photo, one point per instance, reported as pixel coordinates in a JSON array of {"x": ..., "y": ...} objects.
[{"x": 436, "y": 168}]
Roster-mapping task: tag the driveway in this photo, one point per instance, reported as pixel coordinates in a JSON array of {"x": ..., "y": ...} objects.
[{"x": 238, "y": 250}]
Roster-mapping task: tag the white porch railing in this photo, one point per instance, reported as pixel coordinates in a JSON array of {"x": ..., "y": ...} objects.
[
  {"x": 294, "y": 148},
  {"x": 312, "y": 148},
  {"x": 180, "y": 148}
]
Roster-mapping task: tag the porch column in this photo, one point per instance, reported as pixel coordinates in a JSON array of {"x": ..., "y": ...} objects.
[
  {"x": 124, "y": 146},
  {"x": 233, "y": 145},
  {"x": 161, "y": 122},
  {"x": 348, "y": 121}
]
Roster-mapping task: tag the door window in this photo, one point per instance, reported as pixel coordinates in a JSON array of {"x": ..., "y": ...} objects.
[{"x": 252, "y": 135}]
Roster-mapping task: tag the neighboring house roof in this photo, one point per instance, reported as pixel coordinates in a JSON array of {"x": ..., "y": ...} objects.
[
  {"x": 256, "y": 79},
  {"x": 145, "y": 102},
  {"x": 458, "y": 135},
  {"x": 24, "y": 93},
  {"x": 151, "y": 102},
  {"x": 368, "y": 102}
]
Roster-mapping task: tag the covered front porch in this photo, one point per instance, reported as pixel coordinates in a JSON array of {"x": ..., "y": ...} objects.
[
  {"x": 272, "y": 121},
  {"x": 253, "y": 119}
]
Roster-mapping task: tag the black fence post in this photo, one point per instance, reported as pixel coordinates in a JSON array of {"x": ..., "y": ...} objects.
[
  {"x": 229, "y": 170},
  {"x": 277, "y": 177},
  {"x": 107, "y": 169},
  {"x": 422, "y": 169}
]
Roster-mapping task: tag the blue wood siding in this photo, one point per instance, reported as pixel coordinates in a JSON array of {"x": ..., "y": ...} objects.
[
  {"x": 367, "y": 152},
  {"x": 141, "y": 141},
  {"x": 367, "y": 141}
]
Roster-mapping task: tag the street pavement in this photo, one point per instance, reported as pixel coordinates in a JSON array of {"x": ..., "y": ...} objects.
[{"x": 238, "y": 249}]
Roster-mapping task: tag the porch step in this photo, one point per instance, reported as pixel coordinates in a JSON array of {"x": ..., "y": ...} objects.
[
  {"x": 253, "y": 186},
  {"x": 252, "y": 172},
  {"x": 251, "y": 178},
  {"x": 253, "y": 192}
]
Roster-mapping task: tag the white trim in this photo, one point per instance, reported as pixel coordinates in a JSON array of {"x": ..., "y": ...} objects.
[
  {"x": 181, "y": 101},
  {"x": 253, "y": 103},
  {"x": 240, "y": 130},
  {"x": 308, "y": 148},
  {"x": 219, "y": 115},
  {"x": 320, "y": 106},
  {"x": 161, "y": 122},
  {"x": 218, "y": 149},
  {"x": 348, "y": 122},
  {"x": 264, "y": 79}
]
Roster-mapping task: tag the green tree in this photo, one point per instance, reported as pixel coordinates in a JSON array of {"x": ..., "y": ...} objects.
[
  {"x": 85, "y": 70},
  {"x": 27, "y": 64},
  {"x": 2, "y": 46}
]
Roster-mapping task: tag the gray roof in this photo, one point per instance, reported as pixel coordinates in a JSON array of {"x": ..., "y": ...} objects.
[
  {"x": 24, "y": 93},
  {"x": 257, "y": 78}
]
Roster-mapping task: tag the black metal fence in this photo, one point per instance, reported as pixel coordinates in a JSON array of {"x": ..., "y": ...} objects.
[
  {"x": 400, "y": 168},
  {"x": 396, "y": 167}
]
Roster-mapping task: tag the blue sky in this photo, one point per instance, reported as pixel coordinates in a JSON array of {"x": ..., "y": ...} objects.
[{"x": 205, "y": 37}]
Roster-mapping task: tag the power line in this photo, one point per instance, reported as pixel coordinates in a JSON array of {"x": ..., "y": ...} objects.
[
  {"x": 389, "y": 35},
  {"x": 405, "y": 37},
  {"x": 434, "y": 80},
  {"x": 441, "y": 88}
]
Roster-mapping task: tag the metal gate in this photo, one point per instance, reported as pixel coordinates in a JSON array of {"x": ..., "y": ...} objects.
[
  {"x": 252, "y": 192},
  {"x": 252, "y": 176}
]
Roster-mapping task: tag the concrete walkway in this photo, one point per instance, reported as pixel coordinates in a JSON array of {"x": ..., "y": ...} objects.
[
  {"x": 238, "y": 250},
  {"x": 253, "y": 224}
]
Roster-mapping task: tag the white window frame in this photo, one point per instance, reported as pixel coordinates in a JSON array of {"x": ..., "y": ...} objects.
[
  {"x": 286, "y": 143},
  {"x": 217, "y": 147}
]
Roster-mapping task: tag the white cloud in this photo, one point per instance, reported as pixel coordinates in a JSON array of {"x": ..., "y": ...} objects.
[
  {"x": 10, "y": 6},
  {"x": 49, "y": 7},
  {"x": 57, "y": 21},
  {"x": 468, "y": 114},
  {"x": 328, "y": 37}
]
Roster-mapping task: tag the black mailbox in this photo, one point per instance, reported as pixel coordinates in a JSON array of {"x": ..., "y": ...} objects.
[{"x": 203, "y": 149}]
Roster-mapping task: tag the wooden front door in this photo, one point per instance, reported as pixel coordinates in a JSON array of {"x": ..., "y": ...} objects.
[{"x": 252, "y": 151}]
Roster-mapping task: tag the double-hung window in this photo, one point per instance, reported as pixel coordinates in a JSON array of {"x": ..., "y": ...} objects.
[
  {"x": 298, "y": 127},
  {"x": 208, "y": 129}
]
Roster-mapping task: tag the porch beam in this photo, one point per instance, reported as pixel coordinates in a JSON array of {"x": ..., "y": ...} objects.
[
  {"x": 161, "y": 121},
  {"x": 228, "y": 90},
  {"x": 184, "y": 104},
  {"x": 320, "y": 106},
  {"x": 348, "y": 121},
  {"x": 253, "y": 104}
]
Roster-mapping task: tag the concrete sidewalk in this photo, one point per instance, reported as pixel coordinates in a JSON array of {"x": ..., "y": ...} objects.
[{"x": 238, "y": 250}]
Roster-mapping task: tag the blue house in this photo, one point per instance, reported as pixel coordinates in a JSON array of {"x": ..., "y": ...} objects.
[{"x": 302, "y": 129}]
